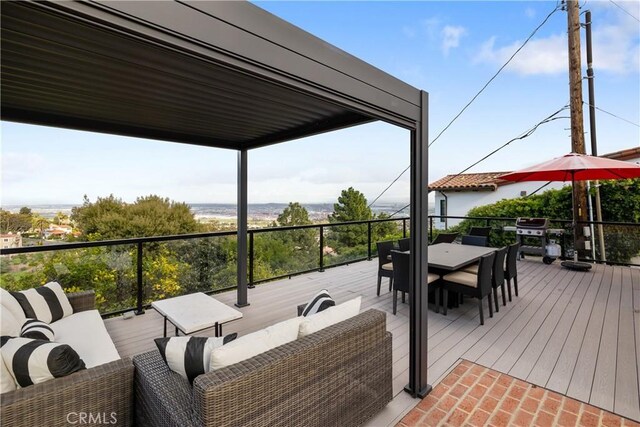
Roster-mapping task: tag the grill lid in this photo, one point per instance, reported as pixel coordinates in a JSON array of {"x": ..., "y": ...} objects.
[{"x": 539, "y": 223}]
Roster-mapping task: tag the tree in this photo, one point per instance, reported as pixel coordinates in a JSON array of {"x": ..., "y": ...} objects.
[
  {"x": 351, "y": 206},
  {"x": 292, "y": 215},
  {"x": 39, "y": 223},
  {"x": 61, "y": 218},
  {"x": 14, "y": 223},
  {"x": 25, "y": 211}
]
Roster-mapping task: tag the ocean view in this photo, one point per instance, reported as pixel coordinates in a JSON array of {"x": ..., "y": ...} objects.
[{"x": 206, "y": 211}]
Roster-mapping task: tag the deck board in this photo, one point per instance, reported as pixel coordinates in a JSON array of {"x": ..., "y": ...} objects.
[{"x": 552, "y": 334}]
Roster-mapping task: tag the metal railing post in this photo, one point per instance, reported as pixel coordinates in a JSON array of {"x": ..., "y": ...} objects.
[
  {"x": 321, "y": 248},
  {"x": 404, "y": 228},
  {"x": 250, "y": 284},
  {"x": 430, "y": 228},
  {"x": 139, "y": 309},
  {"x": 369, "y": 241}
]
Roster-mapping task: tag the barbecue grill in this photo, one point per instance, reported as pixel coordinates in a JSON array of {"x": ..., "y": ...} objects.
[{"x": 537, "y": 228}]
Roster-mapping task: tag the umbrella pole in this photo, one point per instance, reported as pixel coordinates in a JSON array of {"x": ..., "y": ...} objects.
[{"x": 574, "y": 221}]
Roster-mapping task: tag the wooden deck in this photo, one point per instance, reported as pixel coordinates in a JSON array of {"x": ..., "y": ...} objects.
[{"x": 571, "y": 332}]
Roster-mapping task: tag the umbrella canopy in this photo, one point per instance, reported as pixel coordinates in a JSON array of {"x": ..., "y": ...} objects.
[{"x": 576, "y": 167}]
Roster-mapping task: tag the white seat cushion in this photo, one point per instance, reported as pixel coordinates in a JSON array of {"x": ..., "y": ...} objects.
[
  {"x": 462, "y": 278},
  {"x": 388, "y": 266},
  {"x": 330, "y": 316},
  {"x": 86, "y": 334},
  {"x": 473, "y": 268},
  {"x": 250, "y": 345},
  {"x": 432, "y": 277},
  {"x": 7, "y": 383}
]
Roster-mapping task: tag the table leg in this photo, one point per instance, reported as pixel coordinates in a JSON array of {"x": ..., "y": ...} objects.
[
  {"x": 177, "y": 331},
  {"x": 218, "y": 332},
  {"x": 165, "y": 327}
]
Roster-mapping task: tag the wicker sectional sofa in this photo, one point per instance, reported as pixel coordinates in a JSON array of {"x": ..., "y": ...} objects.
[
  {"x": 338, "y": 376},
  {"x": 101, "y": 394}
]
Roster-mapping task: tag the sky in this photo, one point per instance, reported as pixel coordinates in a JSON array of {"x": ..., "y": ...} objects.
[{"x": 449, "y": 49}]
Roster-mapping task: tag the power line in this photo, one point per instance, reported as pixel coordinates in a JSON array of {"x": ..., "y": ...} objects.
[
  {"x": 558, "y": 7},
  {"x": 495, "y": 75},
  {"x": 538, "y": 189},
  {"x": 613, "y": 115},
  {"x": 624, "y": 10}
]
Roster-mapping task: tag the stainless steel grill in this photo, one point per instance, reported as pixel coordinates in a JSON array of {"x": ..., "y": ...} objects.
[{"x": 532, "y": 226}]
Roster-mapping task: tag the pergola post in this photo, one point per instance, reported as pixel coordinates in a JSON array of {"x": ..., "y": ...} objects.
[
  {"x": 418, "y": 386},
  {"x": 242, "y": 228}
]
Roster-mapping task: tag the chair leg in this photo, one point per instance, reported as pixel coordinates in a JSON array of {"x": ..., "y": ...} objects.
[
  {"x": 509, "y": 288},
  {"x": 444, "y": 296},
  {"x": 438, "y": 299},
  {"x": 495, "y": 298},
  {"x": 504, "y": 298},
  {"x": 403, "y": 297},
  {"x": 379, "y": 283},
  {"x": 395, "y": 301},
  {"x": 490, "y": 306},
  {"x": 515, "y": 284},
  {"x": 390, "y": 283},
  {"x": 480, "y": 310}
]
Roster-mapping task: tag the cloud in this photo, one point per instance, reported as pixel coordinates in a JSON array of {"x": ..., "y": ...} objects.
[
  {"x": 530, "y": 12},
  {"x": 451, "y": 36},
  {"x": 615, "y": 49},
  {"x": 18, "y": 166}
]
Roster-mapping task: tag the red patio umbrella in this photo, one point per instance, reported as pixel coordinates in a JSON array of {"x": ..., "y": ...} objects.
[{"x": 575, "y": 167}]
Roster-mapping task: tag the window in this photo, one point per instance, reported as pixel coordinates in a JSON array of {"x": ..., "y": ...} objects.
[{"x": 443, "y": 210}]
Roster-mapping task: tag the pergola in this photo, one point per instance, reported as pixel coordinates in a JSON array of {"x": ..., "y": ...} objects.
[{"x": 217, "y": 74}]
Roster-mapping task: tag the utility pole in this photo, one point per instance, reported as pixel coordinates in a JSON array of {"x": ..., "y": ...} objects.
[
  {"x": 577, "y": 120},
  {"x": 592, "y": 128}
]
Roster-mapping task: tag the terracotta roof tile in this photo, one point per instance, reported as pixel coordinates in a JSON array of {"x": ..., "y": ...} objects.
[
  {"x": 629, "y": 153},
  {"x": 469, "y": 181}
]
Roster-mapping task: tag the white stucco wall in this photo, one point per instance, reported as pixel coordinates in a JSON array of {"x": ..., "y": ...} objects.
[{"x": 460, "y": 202}]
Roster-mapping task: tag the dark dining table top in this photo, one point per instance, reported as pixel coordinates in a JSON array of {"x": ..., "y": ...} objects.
[{"x": 452, "y": 256}]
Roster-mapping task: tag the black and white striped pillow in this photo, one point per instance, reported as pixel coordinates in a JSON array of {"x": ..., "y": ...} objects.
[
  {"x": 320, "y": 301},
  {"x": 47, "y": 303},
  {"x": 38, "y": 330},
  {"x": 32, "y": 361},
  {"x": 190, "y": 356}
]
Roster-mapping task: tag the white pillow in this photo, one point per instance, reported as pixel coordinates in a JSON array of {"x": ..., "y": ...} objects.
[
  {"x": 12, "y": 305},
  {"x": 9, "y": 325},
  {"x": 330, "y": 316},
  {"x": 47, "y": 303},
  {"x": 255, "y": 343},
  {"x": 6, "y": 380}
]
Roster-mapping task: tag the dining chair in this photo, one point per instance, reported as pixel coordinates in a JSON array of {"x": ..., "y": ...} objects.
[
  {"x": 473, "y": 285},
  {"x": 474, "y": 240},
  {"x": 385, "y": 268},
  {"x": 404, "y": 244},
  {"x": 497, "y": 278},
  {"x": 444, "y": 238},
  {"x": 511, "y": 270},
  {"x": 480, "y": 231},
  {"x": 401, "y": 277}
]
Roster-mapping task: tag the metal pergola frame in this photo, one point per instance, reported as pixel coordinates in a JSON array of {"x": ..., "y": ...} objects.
[{"x": 218, "y": 74}]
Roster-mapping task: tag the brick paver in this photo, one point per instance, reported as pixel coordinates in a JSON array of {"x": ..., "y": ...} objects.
[{"x": 472, "y": 395}]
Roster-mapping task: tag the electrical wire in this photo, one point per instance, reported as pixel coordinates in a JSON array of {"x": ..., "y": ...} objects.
[
  {"x": 495, "y": 75},
  {"x": 611, "y": 114},
  {"x": 624, "y": 10},
  {"x": 538, "y": 189},
  {"x": 558, "y": 7}
]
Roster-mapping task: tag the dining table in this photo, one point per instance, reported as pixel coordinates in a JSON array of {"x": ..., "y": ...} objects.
[{"x": 452, "y": 256}]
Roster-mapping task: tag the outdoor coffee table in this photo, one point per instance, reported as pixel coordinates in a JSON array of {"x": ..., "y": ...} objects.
[{"x": 194, "y": 313}]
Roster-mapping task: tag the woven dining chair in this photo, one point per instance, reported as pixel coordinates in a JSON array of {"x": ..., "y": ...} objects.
[
  {"x": 385, "y": 267},
  {"x": 511, "y": 270}
]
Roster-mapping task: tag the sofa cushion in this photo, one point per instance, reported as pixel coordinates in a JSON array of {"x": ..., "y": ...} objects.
[
  {"x": 38, "y": 330},
  {"x": 47, "y": 303},
  {"x": 329, "y": 317},
  {"x": 6, "y": 380},
  {"x": 9, "y": 325},
  {"x": 10, "y": 304},
  {"x": 255, "y": 343},
  {"x": 86, "y": 333},
  {"x": 190, "y": 356},
  {"x": 320, "y": 301},
  {"x": 32, "y": 361}
]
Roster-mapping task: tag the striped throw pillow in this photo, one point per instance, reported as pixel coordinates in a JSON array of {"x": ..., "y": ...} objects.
[
  {"x": 320, "y": 301},
  {"x": 47, "y": 303},
  {"x": 32, "y": 361},
  {"x": 190, "y": 356},
  {"x": 37, "y": 330}
]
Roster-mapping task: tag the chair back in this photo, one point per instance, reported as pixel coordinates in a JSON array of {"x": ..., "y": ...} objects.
[
  {"x": 498, "y": 268},
  {"x": 400, "y": 270},
  {"x": 445, "y": 238},
  {"x": 404, "y": 244},
  {"x": 480, "y": 231},
  {"x": 474, "y": 240},
  {"x": 384, "y": 250},
  {"x": 484, "y": 273},
  {"x": 512, "y": 257}
]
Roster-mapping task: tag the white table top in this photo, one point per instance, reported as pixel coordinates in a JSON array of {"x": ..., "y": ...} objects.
[
  {"x": 451, "y": 256},
  {"x": 194, "y": 312}
]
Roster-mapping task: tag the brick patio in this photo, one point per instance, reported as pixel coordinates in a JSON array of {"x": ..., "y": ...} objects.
[{"x": 472, "y": 395}]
